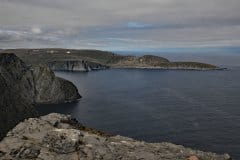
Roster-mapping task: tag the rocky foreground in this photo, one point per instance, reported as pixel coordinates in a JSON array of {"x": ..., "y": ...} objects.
[{"x": 59, "y": 137}]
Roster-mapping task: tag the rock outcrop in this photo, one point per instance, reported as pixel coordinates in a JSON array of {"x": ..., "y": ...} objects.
[
  {"x": 21, "y": 87},
  {"x": 15, "y": 100},
  {"x": 57, "y": 136},
  {"x": 37, "y": 84},
  {"x": 51, "y": 89}
]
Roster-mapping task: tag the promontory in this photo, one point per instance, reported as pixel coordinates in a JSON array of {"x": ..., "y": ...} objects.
[{"x": 87, "y": 60}]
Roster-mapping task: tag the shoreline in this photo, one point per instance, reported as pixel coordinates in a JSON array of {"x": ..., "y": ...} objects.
[
  {"x": 170, "y": 68},
  {"x": 147, "y": 68}
]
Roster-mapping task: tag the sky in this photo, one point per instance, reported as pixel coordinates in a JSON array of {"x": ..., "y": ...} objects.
[{"x": 120, "y": 25}]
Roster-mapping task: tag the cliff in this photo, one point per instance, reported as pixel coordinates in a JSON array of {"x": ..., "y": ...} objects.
[
  {"x": 75, "y": 65},
  {"x": 57, "y": 136},
  {"x": 38, "y": 84},
  {"x": 14, "y": 107},
  {"x": 59, "y": 59},
  {"x": 21, "y": 87},
  {"x": 51, "y": 89},
  {"x": 86, "y": 60}
]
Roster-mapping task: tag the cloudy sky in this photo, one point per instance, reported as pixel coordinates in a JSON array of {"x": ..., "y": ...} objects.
[{"x": 120, "y": 24}]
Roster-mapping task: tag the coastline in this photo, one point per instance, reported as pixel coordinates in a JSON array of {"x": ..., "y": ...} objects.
[
  {"x": 46, "y": 75},
  {"x": 169, "y": 68}
]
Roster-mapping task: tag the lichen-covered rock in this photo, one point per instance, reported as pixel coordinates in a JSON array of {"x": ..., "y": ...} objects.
[
  {"x": 27, "y": 151},
  {"x": 57, "y": 136},
  {"x": 63, "y": 140}
]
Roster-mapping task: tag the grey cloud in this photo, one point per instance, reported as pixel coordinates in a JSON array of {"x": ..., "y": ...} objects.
[
  {"x": 138, "y": 25},
  {"x": 9, "y": 36},
  {"x": 119, "y": 24},
  {"x": 25, "y": 37}
]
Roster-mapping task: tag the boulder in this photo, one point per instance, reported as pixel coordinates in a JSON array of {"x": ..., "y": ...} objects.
[{"x": 62, "y": 141}]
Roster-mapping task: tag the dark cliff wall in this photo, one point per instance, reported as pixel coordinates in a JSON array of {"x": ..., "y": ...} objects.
[
  {"x": 16, "y": 92},
  {"x": 73, "y": 65},
  {"x": 21, "y": 87},
  {"x": 52, "y": 89}
]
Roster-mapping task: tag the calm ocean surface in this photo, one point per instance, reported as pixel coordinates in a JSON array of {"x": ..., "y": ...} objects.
[{"x": 198, "y": 109}]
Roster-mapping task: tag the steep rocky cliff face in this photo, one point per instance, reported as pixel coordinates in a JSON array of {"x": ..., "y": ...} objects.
[
  {"x": 52, "y": 89},
  {"x": 57, "y": 136},
  {"x": 37, "y": 84},
  {"x": 15, "y": 100},
  {"x": 14, "y": 107},
  {"x": 75, "y": 65},
  {"x": 21, "y": 87}
]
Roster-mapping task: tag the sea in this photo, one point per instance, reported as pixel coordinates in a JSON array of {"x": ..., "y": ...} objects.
[{"x": 197, "y": 109}]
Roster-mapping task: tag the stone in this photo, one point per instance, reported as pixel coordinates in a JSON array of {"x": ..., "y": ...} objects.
[
  {"x": 26, "y": 152},
  {"x": 63, "y": 140},
  {"x": 55, "y": 118}
]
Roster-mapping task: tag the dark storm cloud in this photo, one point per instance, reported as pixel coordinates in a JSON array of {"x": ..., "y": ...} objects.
[{"x": 116, "y": 25}]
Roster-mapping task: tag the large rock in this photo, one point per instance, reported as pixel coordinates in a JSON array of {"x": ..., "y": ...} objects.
[
  {"x": 62, "y": 140},
  {"x": 21, "y": 87},
  {"x": 57, "y": 136}
]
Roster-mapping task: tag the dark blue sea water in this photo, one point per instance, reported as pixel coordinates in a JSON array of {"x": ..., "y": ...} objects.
[{"x": 198, "y": 109}]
